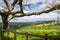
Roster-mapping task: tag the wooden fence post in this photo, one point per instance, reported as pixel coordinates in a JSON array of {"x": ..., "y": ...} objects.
[
  {"x": 2, "y": 35},
  {"x": 46, "y": 35},
  {"x": 8, "y": 32},
  {"x": 15, "y": 35},
  {"x": 27, "y": 36}
]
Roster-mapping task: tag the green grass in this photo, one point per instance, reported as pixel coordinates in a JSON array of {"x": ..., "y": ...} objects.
[{"x": 52, "y": 29}]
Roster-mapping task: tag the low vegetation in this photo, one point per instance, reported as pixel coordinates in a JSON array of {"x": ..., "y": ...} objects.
[{"x": 52, "y": 29}]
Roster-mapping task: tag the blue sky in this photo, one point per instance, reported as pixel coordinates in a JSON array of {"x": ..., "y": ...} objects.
[
  {"x": 33, "y": 18},
  {"x": 36, "y": 6}
]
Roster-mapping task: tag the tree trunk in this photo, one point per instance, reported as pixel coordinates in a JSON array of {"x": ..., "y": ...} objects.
[
  {"x": 5, "y": 24},
  {"x": 5, "y": 21}
]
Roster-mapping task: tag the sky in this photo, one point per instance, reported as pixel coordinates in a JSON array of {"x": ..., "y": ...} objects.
[
  {"x": 35, "y": 6},
  {"x": 33, "y": 18}
]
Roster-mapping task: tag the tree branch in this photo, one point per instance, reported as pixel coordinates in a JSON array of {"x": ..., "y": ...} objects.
[
  {"x": 56, "y": 7},
  {"x": 2, "y": 11},
  {"x": 38, "y": 13},
  {"x": 21, "y": 13},
  {"x": 21, "y": 5},
  {"x": 9, "y": 6},
  {"x": 15, "y": 12},
  {"x": 15, "y": 1}
]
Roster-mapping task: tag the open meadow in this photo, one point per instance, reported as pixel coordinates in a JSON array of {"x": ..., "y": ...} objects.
[{"x": 52, "y": 29}]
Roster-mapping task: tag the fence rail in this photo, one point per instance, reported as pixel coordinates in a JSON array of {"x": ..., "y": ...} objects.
[{"x": 46, "y": 37}]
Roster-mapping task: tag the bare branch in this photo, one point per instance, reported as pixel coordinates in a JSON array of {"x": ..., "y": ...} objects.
[
  {"x": 15, "y": 1},
  {"x": 15, "y": 12},
  {"x": 38, "y": 13},
  {"x": 52, "y": 9},
  {"x": 9, "y": 6},
  {"x": 21, "y": 13},
  {"x": 10, "y": 17},
  {"x": 2, "y": 11},
  {"x": 21, "y": 5}
]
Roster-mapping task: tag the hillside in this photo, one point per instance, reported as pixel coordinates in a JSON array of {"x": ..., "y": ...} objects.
[
  {"x": 50, "y": 28},
  {"x": 36, "y": 25}
]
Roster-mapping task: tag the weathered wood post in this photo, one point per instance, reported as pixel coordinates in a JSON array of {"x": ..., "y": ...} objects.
[
  {"x": 15, "y": 35},
  {"x": 2, "y": 35},
  {"x": 27, "y": 36},
  {"x": 46, "y": 36}
]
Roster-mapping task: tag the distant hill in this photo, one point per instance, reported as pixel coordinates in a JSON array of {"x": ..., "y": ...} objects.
[
  {"x": 28, "y": 23},
  {"x": 31, "y": 25}
]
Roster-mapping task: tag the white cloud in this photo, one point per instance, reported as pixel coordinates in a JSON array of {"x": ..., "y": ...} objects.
[
  {"x": 32, "y": 1},
  {"x": 44, "y": 16}
]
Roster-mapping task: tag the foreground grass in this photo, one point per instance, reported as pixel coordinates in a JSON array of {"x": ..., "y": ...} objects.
[
  {"x": 54, "y": 33},
  {"x": 52, "y": 29}
]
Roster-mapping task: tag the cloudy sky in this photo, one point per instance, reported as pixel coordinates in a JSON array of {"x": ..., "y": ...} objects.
[{"x": 35, "y": 6}]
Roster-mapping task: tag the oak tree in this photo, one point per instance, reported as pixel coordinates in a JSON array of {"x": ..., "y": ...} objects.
[{"x": 7, "y": 13}]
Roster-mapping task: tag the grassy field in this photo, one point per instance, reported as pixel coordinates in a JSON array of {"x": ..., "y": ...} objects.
[{"x": 52, "y": 29}]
